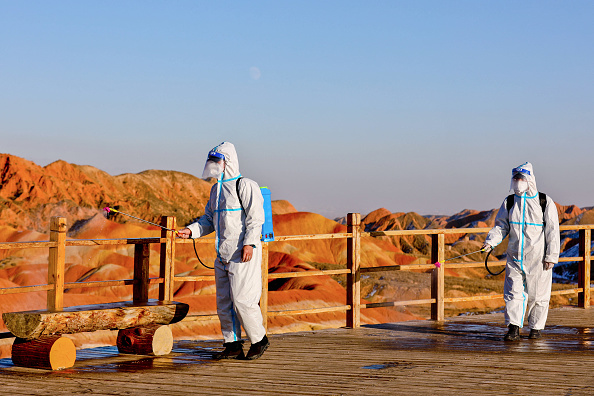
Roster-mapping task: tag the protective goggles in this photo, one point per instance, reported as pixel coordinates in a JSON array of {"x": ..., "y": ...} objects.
[
  {"x": 215, "y": 156},
  {"x": 520, "y": 170}
]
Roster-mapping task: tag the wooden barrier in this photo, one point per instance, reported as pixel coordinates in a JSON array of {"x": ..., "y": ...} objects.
[
  {"x": 144, "y": 335},
  {"x": 142, "y": 323}
]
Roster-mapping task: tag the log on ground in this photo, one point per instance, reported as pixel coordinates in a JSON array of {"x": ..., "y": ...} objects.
[
  {"x": 84, "y": 318},
  {"x": 50, "y": 352},
  {"x": 149, "y": 340}
]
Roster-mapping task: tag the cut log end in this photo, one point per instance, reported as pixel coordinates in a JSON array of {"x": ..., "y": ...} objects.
[
  {"x": 154, "y": 340},
  {"x": 51, "y": 353}
]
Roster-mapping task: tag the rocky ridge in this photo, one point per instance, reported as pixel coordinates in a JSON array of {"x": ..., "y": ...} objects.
[{"x": 31, "y": 194}]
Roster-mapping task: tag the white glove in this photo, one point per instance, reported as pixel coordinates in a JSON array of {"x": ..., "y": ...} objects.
[
  {"x": 548, "y": 265},
  {"x": 184, "y": 233},
  {"x": 487, "y": 248}
]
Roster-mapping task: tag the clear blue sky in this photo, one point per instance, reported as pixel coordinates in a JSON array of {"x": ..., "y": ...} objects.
[{"x": 337, "y": 106}]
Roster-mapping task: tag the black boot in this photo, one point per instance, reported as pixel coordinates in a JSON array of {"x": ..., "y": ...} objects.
[
  {"x": 513, "y": 334},
  {"x": 233, "y": 350},
  {"x": 257, "y": 349},
  {"x": 534, "y": 334}
]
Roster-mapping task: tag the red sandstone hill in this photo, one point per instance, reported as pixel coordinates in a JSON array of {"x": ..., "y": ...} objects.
[{"x": 31, "y": 194}]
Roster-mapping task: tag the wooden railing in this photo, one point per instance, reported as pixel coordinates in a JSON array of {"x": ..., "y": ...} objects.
[{"x": 141, "y": 281}]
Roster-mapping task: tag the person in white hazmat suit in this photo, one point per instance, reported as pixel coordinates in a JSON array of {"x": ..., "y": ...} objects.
[
  {"x": 533, "y": 250},
  {"x": 237, "y": 221}
]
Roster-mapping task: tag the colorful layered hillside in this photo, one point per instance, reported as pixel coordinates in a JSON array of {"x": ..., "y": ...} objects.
[
  {"x": 30, "y": 195},
  {"x": 24, "y": 267}
]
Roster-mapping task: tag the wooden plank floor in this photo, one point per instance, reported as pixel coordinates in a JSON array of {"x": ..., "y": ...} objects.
[{"x": 464, "y": 355}]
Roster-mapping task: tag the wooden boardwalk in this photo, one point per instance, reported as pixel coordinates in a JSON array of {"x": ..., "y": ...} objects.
[{"x": 464, "y": 355}]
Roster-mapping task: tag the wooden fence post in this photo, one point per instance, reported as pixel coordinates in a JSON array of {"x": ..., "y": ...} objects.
[
  {"x": 167, "y": 267},
  {"x": 353, "y": 318},
  {"x": 437, "y": 277},
  {"x": 264, "y": 296},
  {"x": 141, "y": 273},
  {"x": 584, "y": 268},
  {"x": 57, "y": 259}
]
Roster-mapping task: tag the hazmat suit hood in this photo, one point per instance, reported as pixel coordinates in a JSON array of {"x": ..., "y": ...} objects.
[
  {"x": 231, "y": 161},
  {"x": 527, "y": 170}
]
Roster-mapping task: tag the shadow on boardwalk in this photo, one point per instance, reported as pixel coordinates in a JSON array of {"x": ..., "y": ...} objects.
[{"x": 464, "y": 355}]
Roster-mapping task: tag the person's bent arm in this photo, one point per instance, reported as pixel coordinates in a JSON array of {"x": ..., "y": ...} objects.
[
  {"x": 203, "y": 226},
  {"x": 501, "y": 228},
  {"x": 552, "y": 236}
]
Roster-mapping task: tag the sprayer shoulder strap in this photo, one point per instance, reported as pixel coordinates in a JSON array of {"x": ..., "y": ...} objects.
[
  {"x": 542, "y": 198},
  {"x": 239, "y": 196}
]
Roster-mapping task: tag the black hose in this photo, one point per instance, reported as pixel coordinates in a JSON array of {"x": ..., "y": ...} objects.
[
  {"x": 487, "y": 266},
  {"x": 196, "y": 251}
]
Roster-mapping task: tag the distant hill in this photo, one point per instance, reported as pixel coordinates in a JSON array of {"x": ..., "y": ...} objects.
[{"x": 30, "y": 195}]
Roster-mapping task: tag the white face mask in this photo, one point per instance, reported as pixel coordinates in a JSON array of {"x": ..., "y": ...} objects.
[
  {"x": 213, "y": 169},
  {"x": 519, "y": 186}
]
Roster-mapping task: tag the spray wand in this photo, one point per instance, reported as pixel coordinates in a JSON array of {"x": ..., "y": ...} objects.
[
  {"x": 438, "y": 264},
  {"x": 109, "y": 210}
]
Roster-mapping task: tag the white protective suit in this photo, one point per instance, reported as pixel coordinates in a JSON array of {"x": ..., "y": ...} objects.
[
  {"x": 533, "y": 239},
  {"x": 238, "y": 285}
]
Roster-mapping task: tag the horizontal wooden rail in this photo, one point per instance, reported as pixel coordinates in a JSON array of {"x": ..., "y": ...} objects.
[
  {"x": 199, "y": 278},
  {"x": 427, "y": 232},
  {"x": 77, "y": 285},
  {"x": 98, "y": 242},
  {"x": 197, "y": 318},
  {"x": 282, "y": 275},
  {"x": 398, "y": 303},
  {"x": 570, "y": 259},
  {"x": 567, "y": 291},
  {"x": 480, "y": 230},
  {"x": 25, "y": 289},
  {"x": 576, "y": 227},
  {"x": 205, "y": 241},
  {"x": 109, "y": 283},
  {"x": 338, "y": 235},
  {"x": 106, "y": 283},
  {"x": 406, "y": 267},
  {"x": 469, "y": 264},
  {"x": 341, "y": 308},
  {"x": 473, "y": 298},
  {"x": 108, "y": 242},
  {"x": 27, "y": 245}
]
